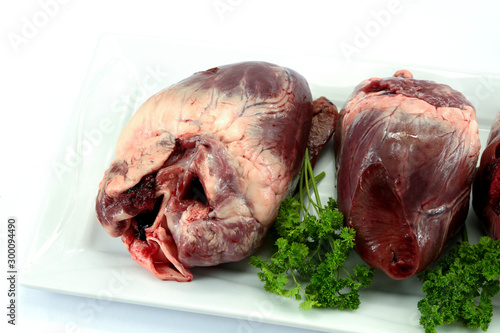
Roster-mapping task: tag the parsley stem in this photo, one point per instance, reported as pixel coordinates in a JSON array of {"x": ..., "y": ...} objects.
[
  {"x": 301, "y": 190},
  {"x": 309, "y": 179},
  {"x": 311, "y": 174},
  {"x": 345, "y": 271},
  {"x": 306, "y": 181},
  {"x": 316, "y": 179},
  {"x": 297, "y": 284},
  {"x": 316, "y": 252},
  {"x": 332, "y": 245},
  {"x": 319, "y": 177},
  {"x": 465, "y": 235}
]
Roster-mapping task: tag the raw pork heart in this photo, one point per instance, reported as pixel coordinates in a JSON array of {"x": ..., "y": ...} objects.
[
  {"x": 406, "y": 152},
  {"x": 486, "y": 187},
  {"x": 202, "y": 167}
]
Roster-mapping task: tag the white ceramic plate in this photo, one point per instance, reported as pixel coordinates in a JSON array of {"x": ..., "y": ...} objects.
[{"x": 72, "y": 254}]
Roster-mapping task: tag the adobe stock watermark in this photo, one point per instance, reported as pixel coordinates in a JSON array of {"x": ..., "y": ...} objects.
[
  {"x": 264, "y": 309},
  {"x": 365, "y": 34},
  {"x": 32, "y": 25},
  {"x": 222, "y": 7},
  {"x": 89, "y": 309},
  {"x": 483, "y": 90},
  {"x": 93, "y": 137}
]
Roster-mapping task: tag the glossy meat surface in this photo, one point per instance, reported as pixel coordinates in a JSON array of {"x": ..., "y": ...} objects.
[
  {"x": 202, "y": 167},
  {"x": 406, "y": 151},
  {"x": 486, "y": 188}
]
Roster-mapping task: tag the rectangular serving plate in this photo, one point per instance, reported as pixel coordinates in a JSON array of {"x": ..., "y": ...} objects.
[{"x": 72, "y": 253}]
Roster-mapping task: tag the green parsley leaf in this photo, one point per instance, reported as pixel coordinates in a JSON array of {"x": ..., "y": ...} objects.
[
  {"x": 310, "y": 249},
  {"x": 460, "y": 288}
]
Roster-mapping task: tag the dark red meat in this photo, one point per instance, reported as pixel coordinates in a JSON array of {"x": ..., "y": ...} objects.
[
  {"x": 486, "y": 188},
  {"x": 325, "y": 116},
  {"x": 406, "y": 151}
]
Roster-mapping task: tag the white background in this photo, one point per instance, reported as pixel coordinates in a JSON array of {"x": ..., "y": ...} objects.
[{"x": 46, "y": 48}]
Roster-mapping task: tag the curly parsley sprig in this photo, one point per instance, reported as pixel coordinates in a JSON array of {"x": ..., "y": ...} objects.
[
  {"x": 460, "y": 288},
  {"x": 307, "y": 261}
]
